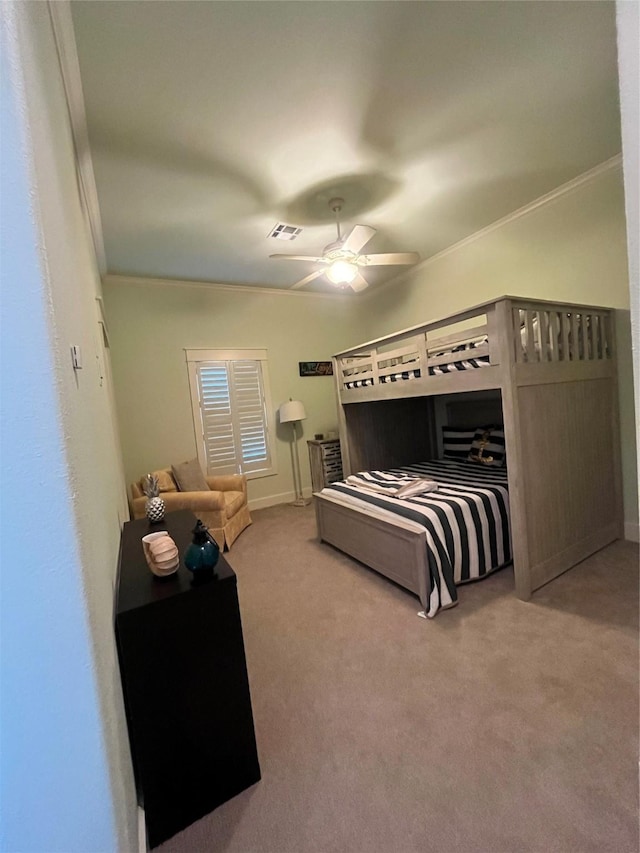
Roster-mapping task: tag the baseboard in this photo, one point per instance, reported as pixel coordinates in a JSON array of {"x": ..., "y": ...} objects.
[
  {"x": 274, "y": 500},
  {"x": 142, "y": 832},
  {"x": 632, "y": 531}
]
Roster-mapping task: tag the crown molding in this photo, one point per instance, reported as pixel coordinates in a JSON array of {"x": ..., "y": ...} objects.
[
  {"x": 112, "y": 278},
  {"x": 64, "y": 37},
  {"x": 548, "y": 198}
]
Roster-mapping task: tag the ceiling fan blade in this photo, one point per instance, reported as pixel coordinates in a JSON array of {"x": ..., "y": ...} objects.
[
  {"x": 359, "y": 283},
  {"x": 299, "y": 258},
  {"x": 307, "y": 279},
  {"x": 390, "y": 258},
  {"x": 360, "y": 234}
]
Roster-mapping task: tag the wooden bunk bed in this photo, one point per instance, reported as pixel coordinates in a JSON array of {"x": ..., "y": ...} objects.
[{"x": 547, "y": 370}]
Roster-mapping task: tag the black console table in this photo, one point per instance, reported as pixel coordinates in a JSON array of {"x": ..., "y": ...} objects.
[{"x": 185, "y": 684}]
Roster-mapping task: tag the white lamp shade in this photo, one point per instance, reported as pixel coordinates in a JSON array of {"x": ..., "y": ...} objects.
[{"x": 291, "y": 411}]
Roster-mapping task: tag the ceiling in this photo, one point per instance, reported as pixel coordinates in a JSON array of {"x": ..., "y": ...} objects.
[{"x": 210, "y": 122}]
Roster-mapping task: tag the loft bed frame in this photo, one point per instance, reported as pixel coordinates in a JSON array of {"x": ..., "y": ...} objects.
[{"x": 549, "y": 368}]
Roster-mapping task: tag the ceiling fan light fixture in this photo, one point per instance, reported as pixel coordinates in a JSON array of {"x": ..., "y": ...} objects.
[
  {"x": 343, "y": 258},
  {"x": 342, "y": 272}
]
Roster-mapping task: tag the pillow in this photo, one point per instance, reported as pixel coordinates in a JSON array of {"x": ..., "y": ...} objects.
[
  {"x": 166, "y": 483},
  {"x": 488, "y": 447},
  {"x": 457, "y": 442},
  {"x": 189, "y": 477}
]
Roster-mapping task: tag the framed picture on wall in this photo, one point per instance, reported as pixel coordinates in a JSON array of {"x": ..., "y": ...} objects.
[{"x": 316, "y": 368}]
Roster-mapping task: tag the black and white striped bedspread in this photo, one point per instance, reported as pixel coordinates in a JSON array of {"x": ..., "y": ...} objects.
[
  {"x": 359, "y": 383},
  {"x": 466, "y": 520},
  {"x": 467, "y": 364},
  {"x": 434, "y": 370}
]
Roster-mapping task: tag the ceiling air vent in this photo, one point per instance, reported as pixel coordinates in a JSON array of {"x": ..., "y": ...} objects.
[{"x": 285, "y": 232}]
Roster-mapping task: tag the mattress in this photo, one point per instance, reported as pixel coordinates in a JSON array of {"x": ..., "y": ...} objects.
[
  {"x": 456, "y": 363},
  {"x": 465, "y": 521}
]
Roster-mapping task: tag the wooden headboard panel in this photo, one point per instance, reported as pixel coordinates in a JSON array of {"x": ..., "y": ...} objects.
[
  {"x": 473, "y": 413},
  {"x": 389, "y": 433},
  {"x": 472, "y": 409}
]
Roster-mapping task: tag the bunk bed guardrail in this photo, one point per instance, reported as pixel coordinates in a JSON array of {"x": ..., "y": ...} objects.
[
  {"x": 539, "y": 334},
  {"x": 424, "y": 354},
  {"x": 560, "y": 335}
]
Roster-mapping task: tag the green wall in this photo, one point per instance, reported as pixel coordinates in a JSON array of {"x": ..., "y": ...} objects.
[
  {"x": 572, "y": 249},
  {"x": 151, "y": 325}
]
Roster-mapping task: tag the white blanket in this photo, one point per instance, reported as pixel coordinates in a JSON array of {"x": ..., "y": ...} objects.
[{"x": 408, "y": 488}]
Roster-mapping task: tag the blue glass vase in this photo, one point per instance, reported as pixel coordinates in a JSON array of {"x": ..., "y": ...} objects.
[{"x": 202, "y": 555}]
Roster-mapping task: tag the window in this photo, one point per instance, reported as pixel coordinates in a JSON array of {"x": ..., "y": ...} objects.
[{"x": 232, "y": 413}]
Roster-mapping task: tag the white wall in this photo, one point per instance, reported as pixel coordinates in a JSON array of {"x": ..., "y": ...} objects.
[
  {"x": 66, "y": 779},
  {"x": 572, "y": 248},
  {"x": 152, "y": 324}
]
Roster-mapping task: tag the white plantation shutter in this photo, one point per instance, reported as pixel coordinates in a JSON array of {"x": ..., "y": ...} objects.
[
  {"x": 231, "y": 412},
  {"x": 215, "y": 413},
  {"x": 250, "y": 427}
]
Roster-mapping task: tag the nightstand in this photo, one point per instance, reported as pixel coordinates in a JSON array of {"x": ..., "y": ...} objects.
[{"x": 325, "y": 461}]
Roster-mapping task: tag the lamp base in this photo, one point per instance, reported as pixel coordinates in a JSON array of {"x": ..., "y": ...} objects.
[{"x": 300, "y": 502}]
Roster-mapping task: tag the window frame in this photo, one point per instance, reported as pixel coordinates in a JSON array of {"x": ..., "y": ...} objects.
[{"x": 196, "y": 357}]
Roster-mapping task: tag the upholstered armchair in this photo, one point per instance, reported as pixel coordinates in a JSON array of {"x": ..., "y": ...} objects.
[{"x": 223, "y": 509}]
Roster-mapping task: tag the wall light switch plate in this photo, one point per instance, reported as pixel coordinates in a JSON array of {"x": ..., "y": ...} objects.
[{"x": 76, "y": 357}]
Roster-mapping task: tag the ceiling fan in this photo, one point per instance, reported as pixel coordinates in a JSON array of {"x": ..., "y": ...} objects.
[{"x": 342, "y": 259}]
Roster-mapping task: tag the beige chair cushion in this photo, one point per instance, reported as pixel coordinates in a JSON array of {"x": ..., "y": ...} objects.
[
  {"x": 166, "y": 483},
  {"x": 189, "y": 477},
  {"x": 233, "y": 501}
]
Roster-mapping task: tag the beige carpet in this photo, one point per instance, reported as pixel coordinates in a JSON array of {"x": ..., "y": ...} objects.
[{"x": 497, "y": 726}]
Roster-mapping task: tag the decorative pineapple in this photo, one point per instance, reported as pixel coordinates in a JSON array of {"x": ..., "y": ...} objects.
[{"x": 154, "y": 506}]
